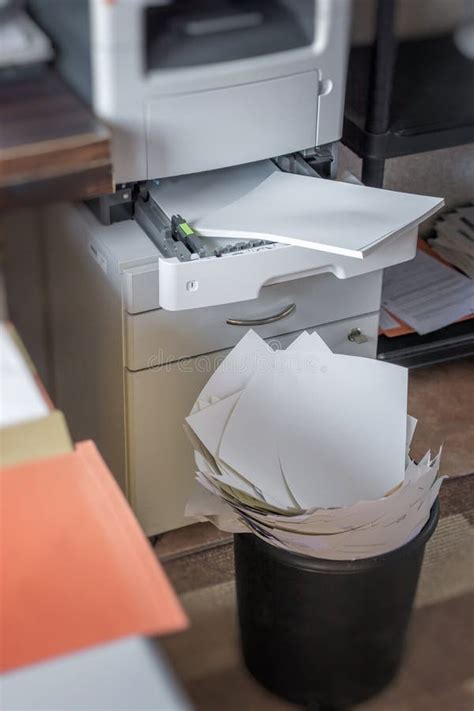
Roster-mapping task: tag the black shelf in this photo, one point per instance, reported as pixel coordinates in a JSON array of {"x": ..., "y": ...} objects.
[
  {"x": 413, "y": 351},
  {"x": 404, "y": 98},
  {"x": 431, "y": 101}
]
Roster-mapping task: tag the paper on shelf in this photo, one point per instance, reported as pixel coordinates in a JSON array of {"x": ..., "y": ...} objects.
[
  {"x": 387, "y": 321},
  {"x": 426, "y": 294},
  {"x": 462, "y": 260},
  {"x": 455, "y": 239},
  {"x": 326, "y": 215}
]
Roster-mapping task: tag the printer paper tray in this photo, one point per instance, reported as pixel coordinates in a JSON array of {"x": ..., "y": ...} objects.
[
  {"x": 240, "y": 276},
  {"x": 204, "y": 200}
]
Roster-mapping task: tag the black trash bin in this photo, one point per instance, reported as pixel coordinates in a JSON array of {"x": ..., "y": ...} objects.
[{"x": 326, "y": 632}]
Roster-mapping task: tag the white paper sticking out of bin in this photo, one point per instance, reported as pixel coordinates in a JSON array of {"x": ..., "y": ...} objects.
[{"x": 309, "y": 450}]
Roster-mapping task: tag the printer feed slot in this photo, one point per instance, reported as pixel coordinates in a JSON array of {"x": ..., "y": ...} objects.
[
  {"x": 179, "y": 34},
  {"x": 174, "y": 237},
  {"x": 157, "y": 226}
]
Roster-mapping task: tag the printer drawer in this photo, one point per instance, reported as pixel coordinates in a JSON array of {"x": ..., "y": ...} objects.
[
  {"x": 160, "y": 458},
  {"x": 160, "y": 336}
]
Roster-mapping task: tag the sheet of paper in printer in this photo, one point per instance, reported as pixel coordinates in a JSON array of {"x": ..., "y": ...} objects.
[
  {"x": 427, "y": 294},
  {"x": 326, "y": 215}
]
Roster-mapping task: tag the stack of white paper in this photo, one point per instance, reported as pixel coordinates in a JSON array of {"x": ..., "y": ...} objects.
[
  {"x": 427, "y": 294},
  {"x": 454, "y": 239},
  {"x": 308, "y": 450},
  {"x": 326, "y": 215}
]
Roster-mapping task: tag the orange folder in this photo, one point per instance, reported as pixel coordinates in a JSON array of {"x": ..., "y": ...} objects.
[{"x": 76, "y": 569}]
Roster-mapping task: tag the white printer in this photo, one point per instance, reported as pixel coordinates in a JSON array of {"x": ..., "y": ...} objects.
[
  {"x": 188, "y": 86},
  {"x": 218, "y": 110}
]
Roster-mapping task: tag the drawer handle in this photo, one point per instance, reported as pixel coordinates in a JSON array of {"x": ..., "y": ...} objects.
[{"x": 262, "y": 321}]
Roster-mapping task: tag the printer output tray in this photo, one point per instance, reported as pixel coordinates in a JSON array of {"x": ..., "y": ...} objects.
[{"x": 224, "y": 234}]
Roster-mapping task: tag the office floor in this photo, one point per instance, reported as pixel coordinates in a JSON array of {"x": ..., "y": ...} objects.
[{"x": 438, "y": 671}]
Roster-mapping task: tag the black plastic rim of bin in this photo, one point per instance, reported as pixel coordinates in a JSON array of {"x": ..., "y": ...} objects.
[{"x": 347, "y": 566}]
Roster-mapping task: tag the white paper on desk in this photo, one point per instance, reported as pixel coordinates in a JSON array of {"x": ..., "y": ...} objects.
[
  {"x": 13, "y": 37},
  {"x": 326, "y": 215},
  {"x": 21, "y": 399},
  {"x": 342, "y": 429},
  {"x": 427, "y": 294}
]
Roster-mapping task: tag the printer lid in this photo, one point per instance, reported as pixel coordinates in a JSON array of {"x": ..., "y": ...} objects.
[{"x": 258, "y": 201}]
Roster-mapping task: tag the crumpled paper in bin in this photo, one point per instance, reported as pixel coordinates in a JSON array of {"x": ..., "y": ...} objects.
[{"x": 309, "y": 450}]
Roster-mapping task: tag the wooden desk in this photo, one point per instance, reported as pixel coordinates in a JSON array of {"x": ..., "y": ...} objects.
[{"x": 51, "y": 147}]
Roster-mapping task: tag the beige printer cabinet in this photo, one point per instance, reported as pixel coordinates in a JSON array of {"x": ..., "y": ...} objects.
[{"x": 127, "y": 372}]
